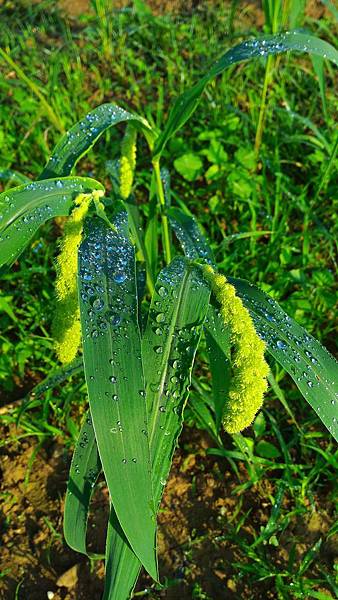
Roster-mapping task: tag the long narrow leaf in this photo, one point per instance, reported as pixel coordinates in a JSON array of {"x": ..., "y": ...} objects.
[
  {"x": 176, "y": 316},
  {"x": 311, "y": 366},
  {"x": 194, "y": 244},
  {"x": 13, "y": 176},
  {"x": 82, "y": 136},
  {"x": 25, "y": 208},
  {"x": 115, "y": 381},
  {"x": 84, "y": 471},
  {"x": 187, "y": 102},
  {"x": 122, "y": 566}
]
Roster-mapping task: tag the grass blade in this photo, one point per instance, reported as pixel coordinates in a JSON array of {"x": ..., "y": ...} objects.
[
  {"x": 114, "y": 375},
  {"x": 35, "y": 89},
  {"x": 269, "y": 45},
  {"x": 24, "y": 208},
  {"x": 56, "y": 377},
  {"x": 82, "y": 136},
  {"x": 311, "y": 366},
  {"x": 84, "y": 471}
]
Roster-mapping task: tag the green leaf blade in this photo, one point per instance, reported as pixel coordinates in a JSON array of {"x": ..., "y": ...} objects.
[
  {"x": 167, "y": 376},
  {"x": 84, "y": 471},
  {"x": 25, "y": 208},
  {"x": 122, "y": 566},
  {"x": 269, "y": 45},
  {"x": 115, "y": 381},
  {"x": 83, "y": 135},
  {"x": 176, "y": 316},
  {"x": 188, "y": 233},
  {"x": 311, "y": 366}
]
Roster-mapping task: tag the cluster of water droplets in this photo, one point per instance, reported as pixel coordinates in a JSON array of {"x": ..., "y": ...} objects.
[
  {"x": 104, "y": 256},
  {"x": 107, "y": 291},
  {"x": 275, "y": 44}
]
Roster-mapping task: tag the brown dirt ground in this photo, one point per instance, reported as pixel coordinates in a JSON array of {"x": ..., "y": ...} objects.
[
  {"x": 75, "y": 8},
  {"x": 197, "y": 508}
]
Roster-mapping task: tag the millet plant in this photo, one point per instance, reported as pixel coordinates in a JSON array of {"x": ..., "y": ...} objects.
[{"x": 138, "y": 309}]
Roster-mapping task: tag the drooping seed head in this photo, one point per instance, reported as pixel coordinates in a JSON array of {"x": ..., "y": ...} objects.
[{"x": 250, "y": 368}]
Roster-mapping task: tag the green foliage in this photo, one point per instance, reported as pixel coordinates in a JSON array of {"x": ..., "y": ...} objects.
[{"x": 137, "y": 374}]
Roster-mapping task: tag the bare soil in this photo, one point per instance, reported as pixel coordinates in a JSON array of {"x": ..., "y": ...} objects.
[
  {"x": 252, "y": 8},
  {"x": 197, "y": 512}
]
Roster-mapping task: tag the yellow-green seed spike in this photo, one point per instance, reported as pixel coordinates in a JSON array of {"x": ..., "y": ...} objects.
[
  {"x": 66, "y": 323},
  {"x": 128, "y": 161},
  {"x": 249, "y": 382}
]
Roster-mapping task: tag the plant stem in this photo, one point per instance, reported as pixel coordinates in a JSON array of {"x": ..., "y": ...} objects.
[
  {"x": 262, "y": 110},
  {"x": 164, "y": 218}
]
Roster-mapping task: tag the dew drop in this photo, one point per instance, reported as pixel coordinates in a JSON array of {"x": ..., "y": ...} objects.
[
  {"x": 120, "y": 277},
  {"x": 98, "y": 304},
  {"x": 162, "y": 291}
]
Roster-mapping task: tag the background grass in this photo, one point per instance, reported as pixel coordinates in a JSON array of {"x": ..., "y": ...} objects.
[{"x": 62, "y": 68}]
